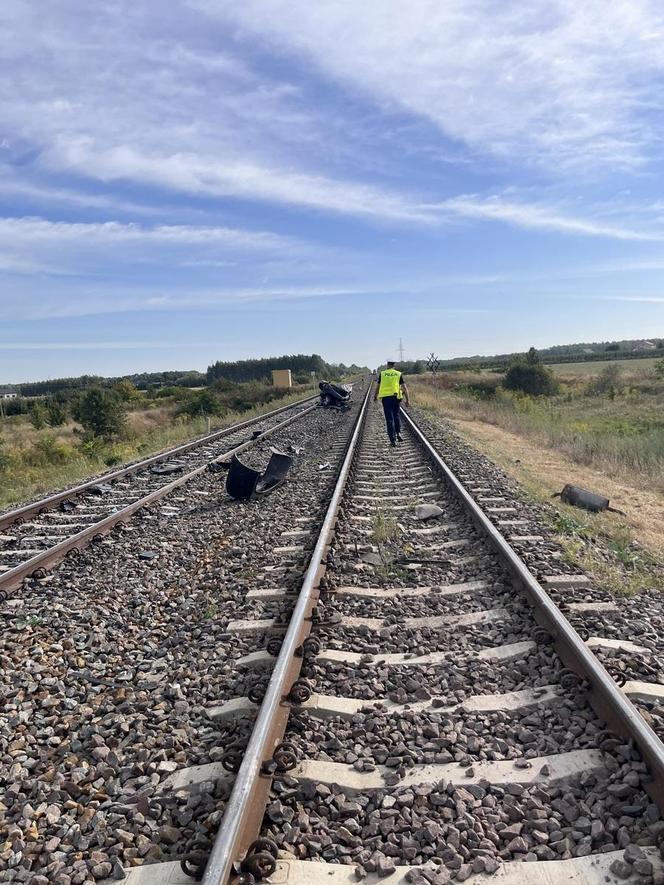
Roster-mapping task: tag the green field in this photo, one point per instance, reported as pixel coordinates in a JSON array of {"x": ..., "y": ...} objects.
[{"x": 594, "y": 368}]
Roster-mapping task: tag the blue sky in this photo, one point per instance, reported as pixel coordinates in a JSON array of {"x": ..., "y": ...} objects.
[{"x": 201, "y": 179}]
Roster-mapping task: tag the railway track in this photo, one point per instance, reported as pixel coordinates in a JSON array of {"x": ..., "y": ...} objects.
[
  {"x": 38, "y": 535},
  {"x": 108, "y": 666},
  {"x": 429, "y": 714},
  {"x": 369, "y": 694}
]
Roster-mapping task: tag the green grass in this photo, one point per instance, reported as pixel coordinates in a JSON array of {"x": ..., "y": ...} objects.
[
  {"x": 594, "y": 368},
  {"x": 607, "y": 551},
  {"x": 622, "y": 434}
]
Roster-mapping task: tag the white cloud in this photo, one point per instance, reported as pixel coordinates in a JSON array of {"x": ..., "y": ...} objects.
[
  {"x": 41, "y": 192},
  {"x": 61, "y": 302},
  {"x": 554, "y": 82},
  {"x": 32, "y": 246},
  {"x": 232, "y": 177},
  {"x": 638, "y": 299},
  {"x": 167, "y": 97},
  {"x": 148, "y": 95},
  {"x": 538, "y": 217},
  {"x": 15, "y": 231}
]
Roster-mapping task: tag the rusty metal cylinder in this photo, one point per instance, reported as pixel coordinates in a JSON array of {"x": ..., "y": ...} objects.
[{"x": 583, "y": 498}]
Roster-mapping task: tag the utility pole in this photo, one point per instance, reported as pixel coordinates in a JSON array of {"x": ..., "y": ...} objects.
[{"x": 400, "y": 350}]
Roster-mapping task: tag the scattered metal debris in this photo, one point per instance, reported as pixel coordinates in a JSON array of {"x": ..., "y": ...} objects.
[
  {"x": 102, "y": 488},
  {"x": 586, "y": 499},
  {"x": 324, "y": 465},
  {"x": 242, "y": 481},
  {"x": 277, "y": 470},
  {"x": 167, "y": 468}
]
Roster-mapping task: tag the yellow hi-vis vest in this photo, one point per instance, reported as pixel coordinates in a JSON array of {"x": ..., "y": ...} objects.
[{"x": 389, "y": 383}]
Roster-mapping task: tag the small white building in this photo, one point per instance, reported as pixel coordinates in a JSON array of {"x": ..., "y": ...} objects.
[
  {"x": 7, "y": 393},
  {"x": 645, "y": 345}
]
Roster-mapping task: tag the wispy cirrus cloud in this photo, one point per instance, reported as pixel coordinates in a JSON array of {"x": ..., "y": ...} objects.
[
  {"x": 636, "y": 299},
  {"x": 108, "y": 299},
  {"x": 40, "y": 230},
  {"x": 540, "y": 216},
  {"x": 166, "y": 101},
  {"x": 42, "y": 193},
  {"x": 32, "y": 245},
  {"x": 235, "y": 177},
  {"x": 550, "y": 82},
  {"x": 159, "y": 99}
]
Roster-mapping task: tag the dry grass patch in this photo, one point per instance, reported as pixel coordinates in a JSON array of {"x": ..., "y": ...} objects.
[{"x": 624, "y": 554}]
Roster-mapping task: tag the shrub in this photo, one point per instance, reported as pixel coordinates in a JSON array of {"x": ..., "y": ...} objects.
[
  {"x": 607, "y": 383},
  {"x": 38, "y": 415},
  {"x": 484, "y": 389},
  {"x": 127, "y": 391},
  {"x": 659, "y": 368},
  {"x": 101, "y": 413},
  {"x": 48, "y": 450},
  {"x": 18, "y": 406},
  {"x": 56, "y": 413},
  {"x": 203, "y": 403},
  {"x": 5, "y": 457},
  {"x": 531, "y": 378}
]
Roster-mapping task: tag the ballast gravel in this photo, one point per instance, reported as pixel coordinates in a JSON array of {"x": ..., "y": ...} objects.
[
  {"x": 108, "y": 666},
  {"x": 453, "y": 831}
]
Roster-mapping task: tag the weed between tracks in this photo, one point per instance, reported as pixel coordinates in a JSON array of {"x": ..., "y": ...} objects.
[
  {"x": 385, "y": 532},
  {"x": 393, "y": 552}
]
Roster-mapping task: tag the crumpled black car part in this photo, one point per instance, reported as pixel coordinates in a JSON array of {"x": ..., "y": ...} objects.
[{"x": 242, "y": 482}]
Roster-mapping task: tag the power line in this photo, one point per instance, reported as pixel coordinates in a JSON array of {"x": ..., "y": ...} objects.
[{"x": 400, "y": 350}]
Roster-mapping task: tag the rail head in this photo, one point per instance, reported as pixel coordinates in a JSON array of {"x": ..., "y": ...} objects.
[
  {"x": 612, "y": 704},
  {"x": 243, "y": 814}
]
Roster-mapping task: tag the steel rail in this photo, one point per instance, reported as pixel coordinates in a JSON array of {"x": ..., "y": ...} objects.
[
  {"x": 13, "y": 578},
  {"x": 607, "y": 698},
  {"x": 244, "y": 810},
  {"x": 11, "y": 516}
]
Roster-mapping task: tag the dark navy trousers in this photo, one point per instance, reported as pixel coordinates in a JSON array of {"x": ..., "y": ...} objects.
[{"x": 391, "y": 407}]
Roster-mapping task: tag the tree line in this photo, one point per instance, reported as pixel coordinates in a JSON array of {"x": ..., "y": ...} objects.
[
  {"x": 141, "y": 380},
  {"x": 301, "y": 365}
]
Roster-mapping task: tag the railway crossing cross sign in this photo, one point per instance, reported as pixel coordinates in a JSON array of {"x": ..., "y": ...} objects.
[{"x": 433, "y": 363}]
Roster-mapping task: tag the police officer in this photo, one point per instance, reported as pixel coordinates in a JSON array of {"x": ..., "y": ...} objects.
[{"x": 391, "y": 389}]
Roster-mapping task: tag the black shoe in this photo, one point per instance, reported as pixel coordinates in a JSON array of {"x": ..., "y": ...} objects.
[
  {"x": 399, "y": 438},
  {"x": 393, "y": 445}
]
